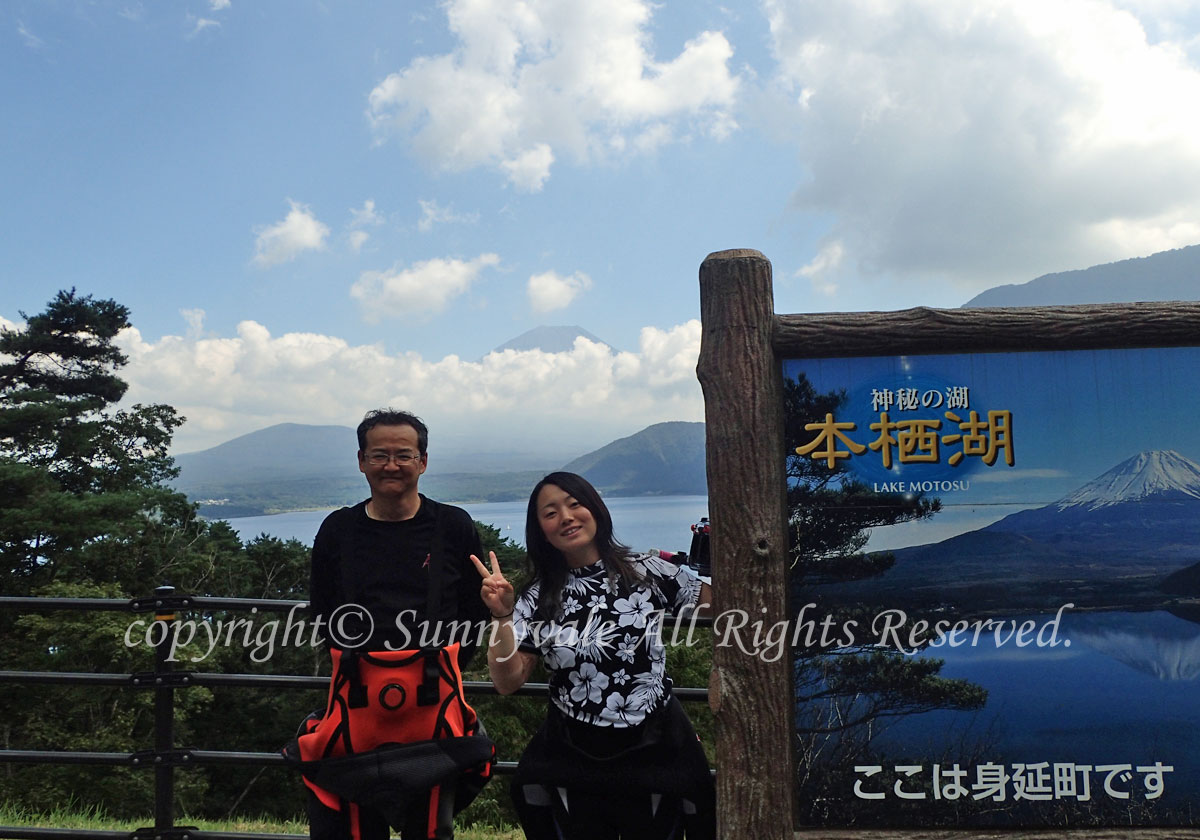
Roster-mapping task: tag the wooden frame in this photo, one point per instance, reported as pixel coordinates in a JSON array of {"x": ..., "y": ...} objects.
[{"x": 742, "y": 347}]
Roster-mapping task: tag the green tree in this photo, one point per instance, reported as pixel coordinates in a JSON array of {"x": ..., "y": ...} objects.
[
  {"x": 846, "y": 689},
  {"x": 830, "y": 511},
  {"x": 85, "y": 511},
  {"x": 81, "y": 487},
  {"x": 73, "y": 469}
]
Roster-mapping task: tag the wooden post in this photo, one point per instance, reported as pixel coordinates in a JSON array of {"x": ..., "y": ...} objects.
[{"x": 751, "y": 697}]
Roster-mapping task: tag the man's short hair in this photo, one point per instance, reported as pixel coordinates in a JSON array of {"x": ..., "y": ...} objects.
[{"x": 391, "y": 417}]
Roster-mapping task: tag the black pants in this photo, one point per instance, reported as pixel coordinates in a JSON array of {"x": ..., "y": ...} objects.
[
  {"x": 591, "y": 815},
  {"x": 614, "y": 780},
  {"x": 328, "y": 824}
]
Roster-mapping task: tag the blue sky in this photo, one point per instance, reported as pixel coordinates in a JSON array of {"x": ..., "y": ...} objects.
[{"x": 313, "y": 208}]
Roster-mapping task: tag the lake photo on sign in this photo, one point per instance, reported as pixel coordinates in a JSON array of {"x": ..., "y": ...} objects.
[{"x": 997, "y": 584}]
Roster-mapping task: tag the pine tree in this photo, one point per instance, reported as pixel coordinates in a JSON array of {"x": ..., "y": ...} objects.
[
  {"x": 846, "y": 688},
  {"x": 73, "y": 469}
]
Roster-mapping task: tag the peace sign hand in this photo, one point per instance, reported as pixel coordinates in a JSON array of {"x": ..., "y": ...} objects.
[{"x": 496, "y": 592}]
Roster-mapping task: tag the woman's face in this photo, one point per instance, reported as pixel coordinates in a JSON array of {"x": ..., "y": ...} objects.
[{"x": 567, "y": 524}]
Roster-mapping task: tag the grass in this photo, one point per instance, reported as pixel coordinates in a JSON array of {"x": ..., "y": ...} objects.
[{"x": 95, "y": 819}]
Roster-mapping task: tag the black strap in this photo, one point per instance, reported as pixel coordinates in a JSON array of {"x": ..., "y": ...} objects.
[
  {"x": 429, "y": 691},
  {"x": 357, "y": 695},
  {"x": 433, "y": 596}
]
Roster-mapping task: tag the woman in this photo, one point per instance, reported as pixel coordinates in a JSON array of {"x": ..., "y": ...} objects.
[{"x": 617, "y": 756}]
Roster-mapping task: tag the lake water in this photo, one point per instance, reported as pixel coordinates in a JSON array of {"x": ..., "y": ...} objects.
[
  {"x": 1126, "y": 691},
  {"x": 640, "y": 522}
]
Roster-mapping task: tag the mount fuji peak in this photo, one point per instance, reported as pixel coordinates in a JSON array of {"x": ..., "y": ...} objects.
[
  {"x": 1163, "y": 475},
  {"x": 1130, "y": 536}
]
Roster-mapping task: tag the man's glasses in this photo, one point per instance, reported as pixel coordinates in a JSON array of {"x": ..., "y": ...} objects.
[{"x": 403, "y": 459}]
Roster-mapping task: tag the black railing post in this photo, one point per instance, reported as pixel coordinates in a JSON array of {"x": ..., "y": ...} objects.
[{"x": 164, "y": 711}]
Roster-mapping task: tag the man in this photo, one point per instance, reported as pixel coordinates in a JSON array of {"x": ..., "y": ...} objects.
[{"x": 391, "y": 580}]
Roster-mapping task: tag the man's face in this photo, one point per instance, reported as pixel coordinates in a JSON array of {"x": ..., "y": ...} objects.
[{"x": 391, "y": 478}]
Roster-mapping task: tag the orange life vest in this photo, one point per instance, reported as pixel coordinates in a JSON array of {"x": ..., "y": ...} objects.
[{"x": 396, "y": 727}]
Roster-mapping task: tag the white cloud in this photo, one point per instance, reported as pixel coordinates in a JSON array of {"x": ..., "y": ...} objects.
[
  {"x": 201, "y": 24},
  {"x": 549, "y": 291},
  {"x": 528, "y": 82},
  {"x": 360, "y": 218},
  {"x": 822, "y": 270},
  {"x": 421, "y": 288},
  {"x": 990, "y": 138},
  {"x": 283, "y": 241},
  {"x": 529, "y": 170},
  {"x": 433, "y": 213},
  {"x": 195, "y": 321},
  {"x": 669, "y": 356},
  {"x": 32, "y": 41},
  {"x": 230, "y": 386},
  {"x": 218, "y": 5},
  {"x": 365, "y": 216},
  {"x": 1018, "y": 475}
]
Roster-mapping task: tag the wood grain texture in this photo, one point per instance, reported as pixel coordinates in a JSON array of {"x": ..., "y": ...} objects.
[
  {"x": 924, "y": 331},
  {"x": 750, "y": 697}
]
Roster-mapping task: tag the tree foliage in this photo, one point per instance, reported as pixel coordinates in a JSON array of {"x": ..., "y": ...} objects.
[
  {"x": 73, "y": 469},
  {"x": 85, "y": 512},
  {"x": 830, "y": 511}
]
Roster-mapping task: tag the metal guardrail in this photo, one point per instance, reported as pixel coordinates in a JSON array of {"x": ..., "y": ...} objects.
[{"x": 163, "y": 680}]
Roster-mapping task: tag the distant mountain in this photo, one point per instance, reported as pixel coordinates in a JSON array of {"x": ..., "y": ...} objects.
[
  {"x": 288, "y": 466},
  {"x": 1145, "y": 502},
  {"x": 1167, "y": 275},
  {"x": 1150, "y": 475},
  {"x": 292, "y": 466},
  {"x": 666, "y": 459},
  {"x": 284, "y": 451},
  {"x": 549, "y": 340},
  {"x": 1124, "y": 537}
]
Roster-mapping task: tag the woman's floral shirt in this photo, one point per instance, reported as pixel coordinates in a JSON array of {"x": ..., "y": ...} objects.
[{"x": 604, "y": 651}]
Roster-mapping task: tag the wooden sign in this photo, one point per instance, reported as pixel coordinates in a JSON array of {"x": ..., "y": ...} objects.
[{"x": 977, "y": 535}]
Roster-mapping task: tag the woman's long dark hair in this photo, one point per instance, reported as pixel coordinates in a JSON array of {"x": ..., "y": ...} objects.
[{"x": 550, "y": 568}]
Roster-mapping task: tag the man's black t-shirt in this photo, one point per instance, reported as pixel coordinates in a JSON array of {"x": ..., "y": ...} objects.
[{"x": 363, "y": 566}]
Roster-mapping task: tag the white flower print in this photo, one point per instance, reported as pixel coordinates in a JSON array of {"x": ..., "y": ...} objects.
[
  {"x": 647, "y": 688},
  {"x": 627, "y": 646},
  {"x": 620, "y": 678},
  {"x": 569, "y": 606},
  {"x": 658, "y": 654},
  {"x": 588, "y": 683},
  {"x": 560, "y": 657},
  {"x": 597, "y": 602},
  {"x": 655, "y": 565},
  {"x": 635, "y": 609},
  {"x": 596, "y": 640},
  {"x": 576, "y": 585},
  {"x": 688, "y": 594},
  {"x": 619, "y": 706},
  {"x": 673, "y": 584}
]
